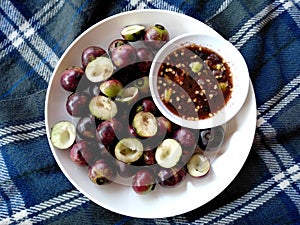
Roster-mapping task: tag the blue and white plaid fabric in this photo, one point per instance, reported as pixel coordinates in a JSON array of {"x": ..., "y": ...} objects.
[{"x": 33, "y": 36}]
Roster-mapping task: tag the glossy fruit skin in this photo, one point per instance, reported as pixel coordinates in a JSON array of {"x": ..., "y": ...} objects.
[
  {"x": 123, "y": 56},
  {"x": 143, "y": 181},
  {"x": 116, "y": 43},
  {"x": 102, "y": 172},
  {"x": 81, "y": 153},
  {"x": 149, "y": 157},
  {"x": 86, "y": 127},
  {"x": 90, "y": 53},
  {"x": 156, "y": 36},
  {"x": 146, "y": 105},
  {"x": 164, "y": 126},
  {"x": 71, "y": 77},
  {"x": 125, "y": 170},
  {"x": 171, "y": 177},
  {"x": 185, "y": 137},
  {"x": 107, "y": 131},
  {"x": 145, "y": 57},
  {"x": 111, "y": 88},
  {"x": 77, "y": 104},
  {"x": 211, "y": 139}
]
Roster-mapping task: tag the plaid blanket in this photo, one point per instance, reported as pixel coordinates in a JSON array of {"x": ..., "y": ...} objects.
[{"x": 33, "y": 36}]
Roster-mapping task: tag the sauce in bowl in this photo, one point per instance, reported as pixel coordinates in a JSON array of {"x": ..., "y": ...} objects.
[{"x": 194, "y": 82}]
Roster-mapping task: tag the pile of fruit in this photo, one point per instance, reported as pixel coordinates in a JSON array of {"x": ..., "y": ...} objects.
[{"x": 119, "y": 132}]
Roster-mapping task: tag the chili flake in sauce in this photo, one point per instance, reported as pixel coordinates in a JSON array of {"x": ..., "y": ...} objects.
[{"x": 194, "y": 82}]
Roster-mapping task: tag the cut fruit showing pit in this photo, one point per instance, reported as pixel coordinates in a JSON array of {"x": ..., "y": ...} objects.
[
  {"x": 145, "y": 124},
  {"x": 102, "y": 107},
  {"x": 198, "y": 165},
  {"x": 129, "y": 150},
  {"x": 99, "y": 69},
  {"x": 168, "y": 153},
  {"x": 63, "y": 135}
]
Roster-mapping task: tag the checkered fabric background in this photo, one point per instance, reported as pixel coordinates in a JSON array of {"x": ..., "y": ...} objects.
[{"x": 33, "y": 36}]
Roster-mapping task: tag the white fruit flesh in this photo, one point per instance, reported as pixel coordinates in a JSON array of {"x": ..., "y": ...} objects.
[
  {"x": 63, "y": 135},
  {"x": 103, "y": 107},
  {"x": 168, "y": 153},
  {"x": 145, "y": 124},
  {"x": 127, "y": 94},
  {"x": 129, "y": 150},
  {"x": 99, "y": 69},
  {"x": 198, "y": 165},
  {"x": 131, "y": 33}
]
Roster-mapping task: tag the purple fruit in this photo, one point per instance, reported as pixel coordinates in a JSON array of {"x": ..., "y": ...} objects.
[
  {"x": 143, "y": 181},
  {"x": 149, "y": 157},
  {"x": 71, "y": 77},
  {"x": 164, "y": 126},
  {"x": 156, "y": 36},
  {"x": 125, "y": 170},
  {"x": 77, "y": 104},
  {"x": 90, "y": 53},
  {"x": 145, "y": 57},
  {"x": 147, "y": 105},
  {"x": 81, "y": 153},
  {"x": 123, "y": 56},
  {"x": 102, "y": 172},
  {"x": 171, "y": 177},
  {"x": 86, "y": 127},
  {"x": 116, "y": 43},
  {"x": 107, "y": 131},
  {"x": 185, "y": 137}
]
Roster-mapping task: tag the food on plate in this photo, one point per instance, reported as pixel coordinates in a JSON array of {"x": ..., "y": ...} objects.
[
  {"x": 171, "y": 177},
  {"x": 111, "y": 88},
  {"x": 143, "y": 181},
  {"x": 129, "y": 150},
  {"x": 145, "y": 124},
  {"x": 100, "y": 69},
  {"x": 63, "y": 135},
  {"x": 116, "y": 128},
  {"x": 102, "y": 107},
  {"x": 211, "y": 139},
  {"x": 198, "y": 165},
  {"x": 102, "y": 172},
  {"x": 156, "y": 36},
  {"x": 133, "y": 32},
  {"x": 71, "y": 77},
  {"x": 194, "y": 82},
  {"x": 91, "y": 53},
  {"x": 168, "y": 153}
]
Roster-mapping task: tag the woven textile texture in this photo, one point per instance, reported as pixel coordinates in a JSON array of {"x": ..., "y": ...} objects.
[{"x": 33, "y": 36}]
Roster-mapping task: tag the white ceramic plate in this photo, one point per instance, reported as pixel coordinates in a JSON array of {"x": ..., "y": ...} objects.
[{"x": 191, "y": 194}]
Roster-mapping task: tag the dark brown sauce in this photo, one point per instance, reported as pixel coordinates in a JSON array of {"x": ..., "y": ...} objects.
[{"x": 194, "y": 82}]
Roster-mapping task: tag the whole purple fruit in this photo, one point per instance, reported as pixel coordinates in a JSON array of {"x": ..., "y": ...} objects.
[
  {"x": 71, "y": 77},
  {"x": 145, "y": 57},
  {"x": 123, "y": 56},
  {"x": 102, "y": 172},
  {"x": 156, "y": 36},
  {"x": 185, "y": 137},
  {"x": 171, "y": 177},
  {"x": 107, "y": 131},
  {"x": 77, "y": 104},
  {"x": 116, "y": 43},
  {"x": 86, "y": 127},
  {"x": 143, "y": 181},
  {"x": 91, "y": 53},
  {"x": 81, "y": 153}
]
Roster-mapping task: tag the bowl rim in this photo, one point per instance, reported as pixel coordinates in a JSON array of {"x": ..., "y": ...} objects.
[{"x": 236, "y": 101}]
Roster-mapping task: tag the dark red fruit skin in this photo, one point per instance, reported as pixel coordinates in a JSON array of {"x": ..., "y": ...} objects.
[
  {"x": 171, "y": 177},
  {"x": 125, "y": 170},
  {"x": 149, "y": 157},
  {"x": 81, "y": 153},
  {"x": 102, "y": 172},
  {"x": 71, "y": 77},
  {"x": 123, "y": 56},
  {"x": 147, "y": 105},
  {"x": 185, "y": 137},
  {"x": 145, "y": 57},
  {"x": 154, "y": 39},
  {"x": 86, "y": 127},
  {"x": 116, "y": 43},
  {"x": 164, "y": 126},
  {"x": 77, "y": 104},
  {"x": 143, "y": 181},
  {"x": 108, "y": 130},
  {"x": 90, "y": 53}
]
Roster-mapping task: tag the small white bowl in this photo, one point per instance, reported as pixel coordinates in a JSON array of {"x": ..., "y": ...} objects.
[{"x": 236, "y": 63}]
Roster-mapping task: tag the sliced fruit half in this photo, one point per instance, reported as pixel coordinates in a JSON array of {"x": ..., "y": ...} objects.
[
  {"x": 129, "y": 150},
  {"x": 99, "y": 69},
  {"x": 145, "y": 124},
  {"x": 102, "y": 107},
  {"x": 63, "y": 135},
  {"x": 168, "y": 153},
  {"x": 198, "y": 165},
  {"x": 133, "y": 32}
]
